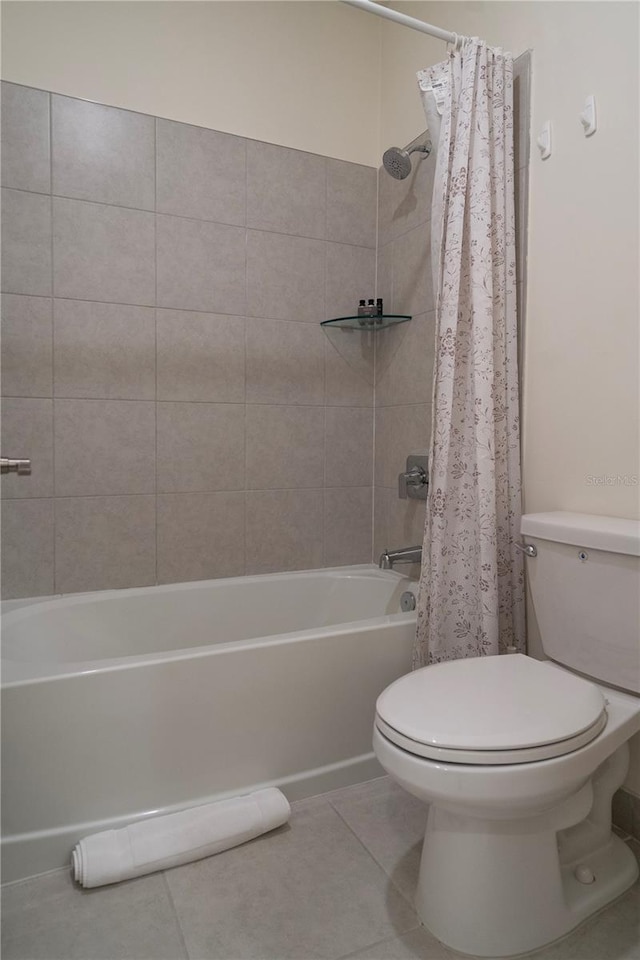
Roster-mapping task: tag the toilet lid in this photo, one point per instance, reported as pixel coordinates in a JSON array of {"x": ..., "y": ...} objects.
[{"x": 506, "y": 709}]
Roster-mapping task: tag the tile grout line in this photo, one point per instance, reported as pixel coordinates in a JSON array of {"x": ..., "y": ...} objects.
[
  {"x": 375, "y": 860},
  {"x": 155, "y": 336},
  {"x": 178, "y": 216},
  {"x": 171, "y": 309},
  {"x": 176, "y": 915},
  {"x": 375, "y": 381},
  {"x": 53, "y": 353},
  {"x": 380, "y": 943},
  {"x": 245, "y": 497},
  {"x": 325, "y": 310}
]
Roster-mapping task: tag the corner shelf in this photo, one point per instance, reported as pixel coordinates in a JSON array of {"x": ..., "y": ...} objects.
[{"x": 372, "y": 324}]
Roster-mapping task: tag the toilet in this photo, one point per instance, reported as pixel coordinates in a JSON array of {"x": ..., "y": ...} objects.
[{"x": 518, "y": 758}]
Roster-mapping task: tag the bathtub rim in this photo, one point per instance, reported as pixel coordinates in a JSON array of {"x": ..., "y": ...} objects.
[{"x": 16, "y": 673}]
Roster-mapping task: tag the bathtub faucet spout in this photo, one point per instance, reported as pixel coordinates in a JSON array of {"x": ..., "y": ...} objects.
[{"x": 403, "y": 555}]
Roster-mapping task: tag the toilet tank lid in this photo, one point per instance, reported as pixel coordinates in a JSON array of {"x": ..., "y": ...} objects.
[{"x": 614, "y": 534}]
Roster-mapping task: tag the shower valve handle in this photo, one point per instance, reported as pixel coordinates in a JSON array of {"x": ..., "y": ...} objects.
[{"x": 414, "y": 483}]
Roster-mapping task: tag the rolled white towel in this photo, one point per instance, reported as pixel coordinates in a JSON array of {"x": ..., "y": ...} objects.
[{"x": 168, "y": 841}]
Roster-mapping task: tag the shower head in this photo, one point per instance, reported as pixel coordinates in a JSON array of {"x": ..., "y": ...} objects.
[{"x": 397, "y": 161}]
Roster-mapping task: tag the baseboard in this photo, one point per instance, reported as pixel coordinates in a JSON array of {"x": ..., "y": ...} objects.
[{"x": 625, "y": 812}]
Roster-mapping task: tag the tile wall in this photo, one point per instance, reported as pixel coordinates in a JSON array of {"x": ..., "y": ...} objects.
[
  {"x": 405, "y": 353},
  {"x": 163, "y": 363}
]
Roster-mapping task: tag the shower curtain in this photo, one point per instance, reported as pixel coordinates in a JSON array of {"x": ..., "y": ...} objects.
[{"x": 471, "y": 598}]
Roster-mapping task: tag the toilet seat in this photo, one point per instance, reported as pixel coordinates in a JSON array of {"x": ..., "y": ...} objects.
[{"x": 491, "y": 710}]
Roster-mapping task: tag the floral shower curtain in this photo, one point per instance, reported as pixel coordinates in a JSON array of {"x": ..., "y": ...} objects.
[{"x": 471, "y": 599}]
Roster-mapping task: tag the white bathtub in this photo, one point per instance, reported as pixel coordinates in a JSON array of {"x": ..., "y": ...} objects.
[{"x": 123, "y": 704}]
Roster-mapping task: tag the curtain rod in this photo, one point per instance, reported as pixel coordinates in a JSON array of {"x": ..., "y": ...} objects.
[{"x": 403, "y": 19}]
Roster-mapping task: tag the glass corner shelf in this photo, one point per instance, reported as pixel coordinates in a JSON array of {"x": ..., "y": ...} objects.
[{"x": 366, "y": 323}]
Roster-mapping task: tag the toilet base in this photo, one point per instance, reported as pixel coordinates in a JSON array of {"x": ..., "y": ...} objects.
[{"x": 494, "y": 889}]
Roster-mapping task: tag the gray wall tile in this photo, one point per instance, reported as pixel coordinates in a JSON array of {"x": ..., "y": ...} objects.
[
  {"x": 105, "y": 543},
  {"x": 285, "y": 277},
  {"x": 404, "y": 362},
  {"x": 351, "y": 203},
  {"x": 150, "y": 392},
  {"x": 26, "y": 346},
  {"x": 285, "y": 446},
  {"x": 26, "y": 243},
  {"x": 104, "y": 351},
  {"x": 102, "y": 153},
  {"x": 349, "y": 367},
  {"x": 398, "y": 523},
  {"x": 406, "y": 203},
  {"x": 347, "y": 526},
  {"x": 285, "y": 362},
  {"x": 103, "y": 253},
  {"x": 201, "y": 173},
  {"x": 200, "y": 536},
  {"x": 200, "y": 446},
  {"x": 201, "y": 265},
  {"x": 348, "y": 447},
  {"x": 284, "y": 530},
  {"x": 27, "y": 433},
  {"x": 27, "y": 548},
  {"x": 399, "y": 431},
  {"x": 200, "y": 356},
  {"x": 351, "y": 275},
  {"x": 385, "y": 278},
  {"x": 412, "y": 283},
  {"x": 25, "y": 138},
  {"x": 286, "y": 190},
  {"x": 404, "y": 354},
  {"x": 104, "y": 447}
]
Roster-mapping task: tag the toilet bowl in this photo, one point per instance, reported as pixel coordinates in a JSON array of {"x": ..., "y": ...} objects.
[{"x": 518, "y": 758}]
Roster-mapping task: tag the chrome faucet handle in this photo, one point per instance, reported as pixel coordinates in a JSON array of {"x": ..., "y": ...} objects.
[
  {"x": 416, "y": 477},
  {"x": 21, "y": 467},
  {"x": 415, "y": 482}
]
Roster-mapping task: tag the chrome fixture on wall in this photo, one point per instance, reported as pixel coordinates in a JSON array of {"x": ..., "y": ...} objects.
[
  {"x": 397, "y": 161},
  {"x": 21, "y": 467},
  {"x": 403, "y": 555},
  {"x": 414, "y": 484}
]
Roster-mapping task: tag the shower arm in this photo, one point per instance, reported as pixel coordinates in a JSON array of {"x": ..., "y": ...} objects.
[{"x": 404, "y": 20}]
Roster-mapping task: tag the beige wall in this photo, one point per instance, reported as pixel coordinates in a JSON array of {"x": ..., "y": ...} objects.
[{"x": 301, "y": 74}]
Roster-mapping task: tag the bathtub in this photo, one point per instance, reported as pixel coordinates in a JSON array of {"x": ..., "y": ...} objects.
[{"x": 123, "y": 704}]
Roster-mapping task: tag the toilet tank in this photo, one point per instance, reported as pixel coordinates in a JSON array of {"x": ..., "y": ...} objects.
[{"x": 585, "y": 588}]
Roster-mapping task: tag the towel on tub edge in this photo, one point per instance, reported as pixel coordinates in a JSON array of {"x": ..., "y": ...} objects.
[{"x": 177, "y": 838}]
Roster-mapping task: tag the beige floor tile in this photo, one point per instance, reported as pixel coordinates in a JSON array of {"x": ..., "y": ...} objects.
[
  {"x": 390, "y": 823},
  {"x": 612, "y": 935},
  {"x": 49, "y": 918},
  {"x": 306, "y": 891}
]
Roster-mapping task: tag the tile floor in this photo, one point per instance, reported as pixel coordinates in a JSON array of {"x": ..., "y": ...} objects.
[{"x": 336, "y": 882}]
